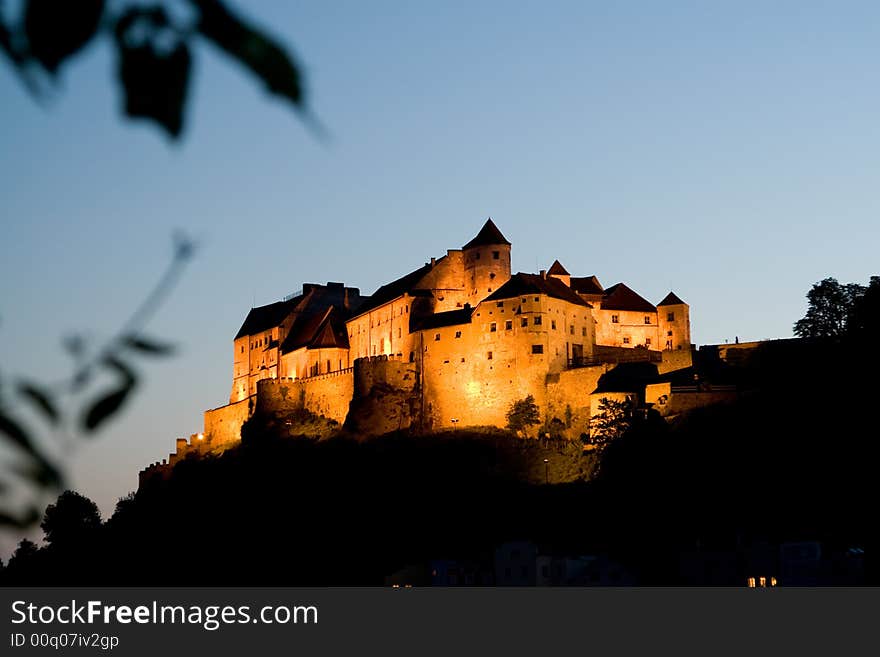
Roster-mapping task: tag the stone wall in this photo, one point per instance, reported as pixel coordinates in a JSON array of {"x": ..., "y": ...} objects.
[
  {"x": 385, "y": 396},
  {"x": 676, "y": 359},
  {"x": 223, "y": 424},
  {"x": 325, "y": 395},
  {"x": 568, "y": 398}
]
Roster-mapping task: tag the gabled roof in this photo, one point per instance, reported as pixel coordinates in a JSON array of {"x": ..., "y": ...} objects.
[
  {"x": 586, "y": 285},
  {"x": 671, "y": 299},
  {"x": 266, "y": 317},
  {"x": 447, "y": 318},
  {"x": 489, "y": 234},
  {"x": 394, "y": 289},
  {"x": 620, "y": 297},
  {"x": 556, "y": 269},
  {"x": 316, "y": 331},
  {"x": 523, "y": 284}
]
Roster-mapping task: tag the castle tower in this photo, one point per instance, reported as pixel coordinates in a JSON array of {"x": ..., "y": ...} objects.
[
  {"x": 558, "y": 271},
  {"x": 674, "y": 322},
  {"x": 486, "y": 262}
]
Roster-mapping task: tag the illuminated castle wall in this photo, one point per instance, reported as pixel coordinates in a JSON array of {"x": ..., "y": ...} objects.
[{"x": 452, "y": 343}]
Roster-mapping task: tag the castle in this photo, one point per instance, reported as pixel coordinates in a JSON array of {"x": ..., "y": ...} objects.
[{"x": 452, "y": 343}]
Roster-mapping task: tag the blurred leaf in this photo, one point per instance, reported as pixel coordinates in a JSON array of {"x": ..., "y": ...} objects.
[
  {"x": 252, "y": 48},
  {"x": 154, "y": 76},
  {"x": 41, "y": 399},
  {"x": 55, "y": 30},
  {"x": 107, "y": 406},
  {"x": 148, "y": 346},
  {"x": 45, "y": 473},
  {"x": 128, "y": 374},
  {"x": 12, "y": 429},
  {"x": 30, "y": 518}
]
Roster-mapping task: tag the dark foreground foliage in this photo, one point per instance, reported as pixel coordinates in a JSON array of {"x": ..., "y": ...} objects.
[{"x": 792, "y": 460}]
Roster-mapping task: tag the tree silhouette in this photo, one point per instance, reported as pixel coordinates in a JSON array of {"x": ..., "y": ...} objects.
[
  {"x": 71, "y": 519},
  {"x": 522, "y": 414},
  {"x": 611, "y": 422},
  {"x": 830, "y": 305}
]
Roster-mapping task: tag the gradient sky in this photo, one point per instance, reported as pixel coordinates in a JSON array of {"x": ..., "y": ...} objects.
[{"x": 725, "y": 150}]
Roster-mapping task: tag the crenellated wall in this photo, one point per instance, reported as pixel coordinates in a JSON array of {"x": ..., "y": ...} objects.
[{"x": 326, "y": 395}]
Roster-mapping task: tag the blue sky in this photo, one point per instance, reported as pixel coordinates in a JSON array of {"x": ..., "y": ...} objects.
[{"x": 726, "y": 150}]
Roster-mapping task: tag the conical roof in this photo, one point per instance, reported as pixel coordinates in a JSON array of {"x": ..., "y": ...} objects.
[{"x": 489, "y": 234}]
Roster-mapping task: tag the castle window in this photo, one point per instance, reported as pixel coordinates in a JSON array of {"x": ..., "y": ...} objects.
[
  {"x": 242, "y": 348},
  {"x": 508, "y": 325},
  {"x": 669, "y": 334},
  {"x": 493, "y": 327},
  {"x": 398, "y": 331},
  {"x": 553, "y": 324},
  {"x": 489, "y": 290},
  {"x": 647, "y": 319},
  {"x": 647, "y": 342},
  {"x": 626, "y": 341},
  {"x": 670, "y": 317},
  {"x": 537, "y": 299},
  {"x": 584, "y": 330},
  {"x": 458, "y": 334},
  {"x": 412, "y": 357},
  {"x": 492, "y": 276},
  {"x": 462, "y": 359},
  {"x": 500, "y": 304},
  {"x": 477, "y": 255},
  {"x": 537, "y": 320},
  {"x": 524, "y": 321},
  {"x": 496, "y": 255},
  {"x": 615, "y": 319},
  {"x": 489, "y": 355},
  {"x": 436, "y": 337},
  {"x": 537, "y": 349},
  {"x": 571, "y": 329}
]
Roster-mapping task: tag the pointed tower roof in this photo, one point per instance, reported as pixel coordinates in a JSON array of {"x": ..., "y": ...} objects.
[
  {"x": 489, "y": 234},
  {"x": 671, "y": 300},
  {"x": 556, "y": 269}
]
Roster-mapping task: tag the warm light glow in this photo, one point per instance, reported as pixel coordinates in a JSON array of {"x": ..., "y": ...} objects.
[
  {"x": 772, "y": 581},
  {"x": 751, "y": 582},
  {"x": 201, "y": 436},
  {"x": 763, "y": 581}
]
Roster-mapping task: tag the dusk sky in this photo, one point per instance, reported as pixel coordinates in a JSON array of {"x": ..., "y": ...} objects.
[{"x": 728, "y": 151}]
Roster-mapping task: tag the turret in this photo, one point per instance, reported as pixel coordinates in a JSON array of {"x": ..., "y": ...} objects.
[
  {"x": 487, "y": 262},
  {"x": 558, "y": 271},
  {"x": 674, "y": 322}
]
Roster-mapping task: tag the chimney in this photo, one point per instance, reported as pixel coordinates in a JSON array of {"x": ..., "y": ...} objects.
[
  {"x": 544, "y": 274},
  {"x": 433, "y": 261}
]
